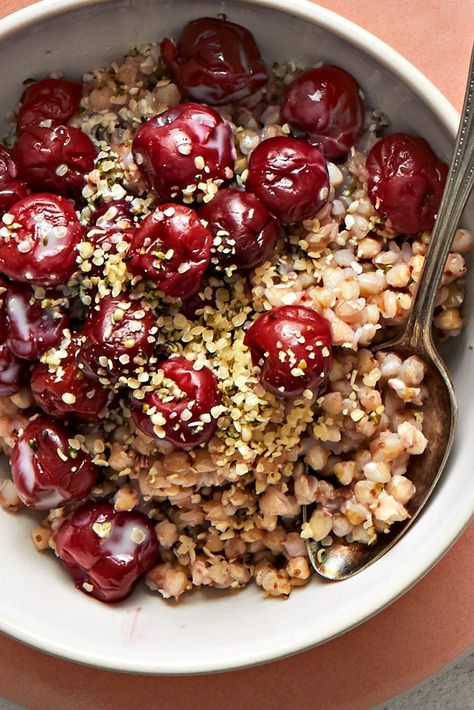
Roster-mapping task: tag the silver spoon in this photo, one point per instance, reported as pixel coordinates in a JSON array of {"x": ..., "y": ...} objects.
[{"x": 341, "y": 560}]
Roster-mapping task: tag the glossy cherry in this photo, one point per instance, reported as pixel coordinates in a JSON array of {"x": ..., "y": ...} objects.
[
  {"x": 46, "y": 470},
  {"x": 12, "y": 371},
  {"x": 244, "y": 231},
  {"x": 55, "y": 100},
  {"x": 41, "y": 245},
  {"x": 406, "y": 182},
  {"x": 11, "y": 188},
  {"x": 34, "y": 324},
  {"x": 54, "y": 159},
  {"x": 113, "y": 216},
  {"x": 106, "y": 551},
  {"x": 112, "y": 230},
  {"x": 172, "y": 248},
  {"x": 118, "y": 336},
  {"x": 67, "y": 392},
  {"x": 11, "y": 192},
  {"x": 290, "y": 177},
  {"x": 3, "y": 312},
  {"x": 192, "y": 307},
  {"x": 186, "y": 419},
  {"x": 8, "y": 169},
  {"x": 324, "y": 104},
  {"x": 292, "y": 346},
  {"x": 107, "y": 242},
  {"x": 215, "y": 61},
  {"x": 185, "y": 145}
]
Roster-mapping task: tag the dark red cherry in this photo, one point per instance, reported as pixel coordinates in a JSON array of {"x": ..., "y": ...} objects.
[
  {"x": 215, "y": 61},
  {"x": 292, "y": 346},
  {"x": 46, "y": 470},
  {"x": 55, "y": 100},
  {"x": 290, "y": 177},
  {"x": 34, "y": 324},
  {"x": 11, "y": 192},
  {"x": 172, "y": 248},
  {"x": 113, "y": 216},
  {"x": 66, "y": 392},
  {"x": 324, "y": 105},
  {"x": 406, "y": 182},
  {"x": 243, "y": 229},
  {"x": 118, "y": 337},
  {"x": 179, "y": 409},
  {"x": 186, "y": 145},
  {"x": 13, "y": 372},
  {"x": 11, "y": 188},
  {"x": 54, "y": 159},
  {"x": 112, "y": 225},
  {"x": 39, "y": 244},
  {"x": 3, "y": 313},
  {"x": 105, "y": 551},
  {"x": 106, "y": 242},
  {"x": 193, "y": 306},
  {"x": 8, "y": 169}
]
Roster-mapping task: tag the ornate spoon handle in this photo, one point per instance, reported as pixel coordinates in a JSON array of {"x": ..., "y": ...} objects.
[{"x": 459, "y": 184}]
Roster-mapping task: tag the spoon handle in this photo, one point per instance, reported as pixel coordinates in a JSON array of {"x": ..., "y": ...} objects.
[{"x": 458, "y": 187}]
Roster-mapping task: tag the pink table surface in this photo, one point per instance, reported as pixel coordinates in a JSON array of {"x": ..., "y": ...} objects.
[{"x": 424, "y": 630}]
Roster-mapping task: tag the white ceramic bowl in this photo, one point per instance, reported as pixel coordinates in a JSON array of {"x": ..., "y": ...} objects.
[{"x": 217, "y": 631}]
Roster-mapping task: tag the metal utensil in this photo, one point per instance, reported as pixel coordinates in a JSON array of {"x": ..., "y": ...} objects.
[{"x": 341, "y": 560}]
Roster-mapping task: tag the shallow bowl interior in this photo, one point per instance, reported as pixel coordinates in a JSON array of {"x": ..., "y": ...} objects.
[{"x": 213, "y": 631}]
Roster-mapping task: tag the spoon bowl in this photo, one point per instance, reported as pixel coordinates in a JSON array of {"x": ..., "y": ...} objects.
[{"x": 341, "y": 560}]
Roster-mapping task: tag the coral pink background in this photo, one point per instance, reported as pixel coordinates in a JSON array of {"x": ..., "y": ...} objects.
[{"x": 426, "y": 629}]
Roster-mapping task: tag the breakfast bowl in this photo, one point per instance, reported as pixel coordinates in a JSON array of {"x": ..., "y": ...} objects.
[{"x": 212, "y": 630}]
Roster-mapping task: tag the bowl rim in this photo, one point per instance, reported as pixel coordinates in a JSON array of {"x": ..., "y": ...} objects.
[{"x": 448, "y": 117}]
